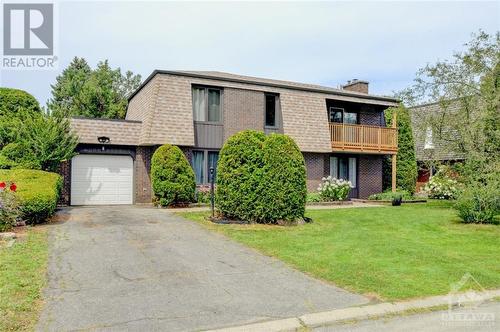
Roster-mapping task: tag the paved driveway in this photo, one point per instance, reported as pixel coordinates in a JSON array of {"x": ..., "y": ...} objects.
[{"x": 132, "y": 268}]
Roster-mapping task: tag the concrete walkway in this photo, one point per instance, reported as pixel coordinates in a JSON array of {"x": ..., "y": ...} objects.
[{"x": 130, "y": 268}]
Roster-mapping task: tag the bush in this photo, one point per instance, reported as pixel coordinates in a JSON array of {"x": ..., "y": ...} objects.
[
  {"x": 9, "y": 210},
  {"x": 172, "y": 177},
  {"x": 283, "y": 187},
  {"x": 37, "y": 192},
  {"x": 261, "y": 179},
  {"x": 313, "y": 198},
  {"x": 203, "y": 195},
  {"x": 13, "y": 100},
  {"x": 239, "y": 174},
  {"x": 389, "y": 195},
  {"x": 442, "y": 186},
  {"x": 480, "y": 203},
  {"x": 332, "y": 189}
]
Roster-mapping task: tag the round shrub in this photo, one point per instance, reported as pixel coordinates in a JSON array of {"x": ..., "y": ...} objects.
[
  {"x": 480, "y": 203},
  {"x": 172, "y": 177},
  {"x": 239, "y": 173},
  {"x": 283, "y": 188},
  {"x": 261, "y": 179}
]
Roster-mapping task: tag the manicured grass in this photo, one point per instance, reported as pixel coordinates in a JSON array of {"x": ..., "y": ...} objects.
[
  {"x": 390, "y": 252},
  {"x": 22, "y": 278}
]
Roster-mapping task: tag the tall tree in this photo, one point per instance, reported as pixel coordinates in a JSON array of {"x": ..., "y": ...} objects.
[
  {"x": 98, "y": 93},
  {"x": 406, "y": 162}
]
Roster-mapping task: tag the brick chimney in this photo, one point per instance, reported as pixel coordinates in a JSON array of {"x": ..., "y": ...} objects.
[{"x": 356, "y": 85}]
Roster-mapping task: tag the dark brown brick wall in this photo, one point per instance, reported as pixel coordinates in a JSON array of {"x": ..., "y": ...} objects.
[
  {"x": 369, "y": 175},
  {"x": 142, "y": 165},
  {"x": 318, "y": 166},
  {"x": 65, "y": 171}
]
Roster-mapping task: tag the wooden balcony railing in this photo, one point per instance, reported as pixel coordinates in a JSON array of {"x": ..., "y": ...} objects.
[{"x": 363, "y": 138}]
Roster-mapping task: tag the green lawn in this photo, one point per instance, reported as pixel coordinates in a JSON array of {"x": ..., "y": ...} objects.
[
  {"x": 22, "y": 278},
  {"x": 390, "y": 252}
]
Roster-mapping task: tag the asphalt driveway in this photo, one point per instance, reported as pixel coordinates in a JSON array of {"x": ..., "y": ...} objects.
[{"x": 129, "y": 268}]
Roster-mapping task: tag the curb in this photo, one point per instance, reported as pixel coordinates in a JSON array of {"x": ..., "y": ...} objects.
[{"x": 353, "y": 313}]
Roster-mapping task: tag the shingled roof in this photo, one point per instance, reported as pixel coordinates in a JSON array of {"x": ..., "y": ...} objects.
[
  {"x": 120, "y": 132},
  {"x": 440, "y": 151}
]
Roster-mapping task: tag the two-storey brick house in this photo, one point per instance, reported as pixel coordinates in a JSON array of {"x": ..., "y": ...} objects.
[{"x": 341, "y": 132}]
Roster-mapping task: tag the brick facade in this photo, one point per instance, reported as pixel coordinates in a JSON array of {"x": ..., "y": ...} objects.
[
  {"x": 65, "y": 171},
  {"x": 317, "y": 167},
  {"x": 142, "y": 176},
  {"x": 244, "y": 109},
  {"x": 369, "y": 175}
]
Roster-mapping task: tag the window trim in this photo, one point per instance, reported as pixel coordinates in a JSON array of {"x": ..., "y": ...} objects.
[
  {"x": 206, "y": 171},
  {"x": 277, "y": 107},
  {"x": 206, "y": 88}
]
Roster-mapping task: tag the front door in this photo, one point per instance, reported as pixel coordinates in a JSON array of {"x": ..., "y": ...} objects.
[{"x": 346, "y": 168}]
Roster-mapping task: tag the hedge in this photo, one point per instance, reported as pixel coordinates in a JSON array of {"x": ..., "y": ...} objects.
[
  {"x": 239, "y": 174},
  {"x": 37, "y": 192},
  {"x": 172, "y": 177},
  {"x": 261, "y": 179}
]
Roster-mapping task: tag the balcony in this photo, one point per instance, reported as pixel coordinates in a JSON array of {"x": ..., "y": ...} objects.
[{"x": 363, "y": 138}]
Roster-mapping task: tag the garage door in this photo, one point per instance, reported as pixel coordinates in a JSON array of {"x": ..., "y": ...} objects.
[{"x": 101, "y": 179}]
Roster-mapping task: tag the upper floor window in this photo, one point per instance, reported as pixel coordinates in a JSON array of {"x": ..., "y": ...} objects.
[
  {"x": 271, "y": 110},
  {"x": 428, "y": 144},
  {"x": 207, "y": 104},
  {"x": 339, "y": 115}
]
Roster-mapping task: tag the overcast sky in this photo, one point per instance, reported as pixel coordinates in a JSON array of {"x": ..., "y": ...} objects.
[{"x": 325, "y": 43}]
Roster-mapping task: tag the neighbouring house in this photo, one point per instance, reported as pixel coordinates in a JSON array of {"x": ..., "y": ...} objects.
[
  {"x": 433, "y": 142},
  {"x": 341, "y": 132}
]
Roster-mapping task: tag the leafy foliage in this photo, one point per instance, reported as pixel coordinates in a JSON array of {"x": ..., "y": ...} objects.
[
  {"x": 37, "y": 192},
  {"x": 406, "y": 161},
  {"x": 239, "y": 174},
  {"x": 283, "y": 186},
  {"x": 261, "y": 179},
  {"x": 389, "y": 195},
  {"x": 332, "y": 189},
  {"x": 442, "y": 185},
  {"x": 172, "y": 177},
  {"x": 98, "y": 93},
  {"x": 480, "y": 203},
  {"x": 40, "y": 142}
]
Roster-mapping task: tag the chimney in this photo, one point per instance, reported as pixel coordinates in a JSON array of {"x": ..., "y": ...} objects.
[{"x": 356, "y": 85}]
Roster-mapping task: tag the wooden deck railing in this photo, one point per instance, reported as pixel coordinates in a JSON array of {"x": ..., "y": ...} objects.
[{"x": 358, "y": 138}]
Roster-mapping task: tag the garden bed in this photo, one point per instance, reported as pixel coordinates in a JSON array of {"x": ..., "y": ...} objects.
[{"x": 388, "y": 201}]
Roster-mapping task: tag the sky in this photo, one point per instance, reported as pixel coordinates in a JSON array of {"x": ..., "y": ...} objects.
[{"x": 324, "y": 43}]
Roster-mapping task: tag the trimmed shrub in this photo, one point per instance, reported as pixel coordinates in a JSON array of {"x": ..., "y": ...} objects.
[
  {"x": 406, "y": 161},
  {"x": 239, "y": 174},
  {"x": 283, "y": 187},
  {"x": 480, "y": 203},
  {"x": 261, "y": 179},
  {"x": 172, "y": 177},
  {"x": 313, "y": 198},
  {"x": 37, "y": 192},
  {"x": 332, "y": 189}
]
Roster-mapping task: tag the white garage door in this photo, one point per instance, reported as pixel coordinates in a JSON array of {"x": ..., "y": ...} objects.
[{"x": 101, "y": 179}]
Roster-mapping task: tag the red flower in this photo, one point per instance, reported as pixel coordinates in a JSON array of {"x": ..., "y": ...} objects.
[
  {"x": 2, "y": 185},
  {"x": 13, "y": 186}
]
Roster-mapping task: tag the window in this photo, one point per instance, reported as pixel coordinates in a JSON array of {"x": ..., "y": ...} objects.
[
  {"x": 271, "y": 111},
  {"x": 428, "y": 139},
  {"x": 206, "y": 104},
  {"x": 339, "y": 115},
  {"x": 202, "y": 161},
  {"x": 344, "y": 168}
]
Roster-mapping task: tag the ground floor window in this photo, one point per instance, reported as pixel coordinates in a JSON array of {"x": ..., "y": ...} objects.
[
  {"x": 345, "y": 168},
  {"x": 202, "y": 161}
]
